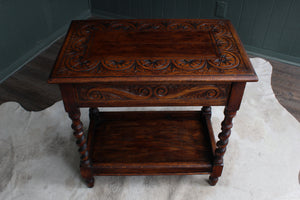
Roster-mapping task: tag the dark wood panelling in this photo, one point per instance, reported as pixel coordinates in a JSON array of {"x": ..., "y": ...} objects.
[
  {"x": 207, "y": 8},
  {"x": 245, "y": 24},
  {"x": 182, "y": 8},
  {"x": 253, "y": 22},
  {"x": 234, "y": 11},
  {"x": 281, "y": 28},
  {"x": 157, "y": 9},
  {"x": 293, "y": 23},
  {"x": 262, "y": 17},
  {"x": 194, "y": 8},
  {"x": 169, "y": 11},
  {"x": 288, "y": 34}
]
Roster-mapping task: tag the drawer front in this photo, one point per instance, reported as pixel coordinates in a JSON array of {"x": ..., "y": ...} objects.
[{"x": 151, "y": 95}]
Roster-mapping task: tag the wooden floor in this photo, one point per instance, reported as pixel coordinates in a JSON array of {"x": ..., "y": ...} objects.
[{"x": 29, "y": 85}]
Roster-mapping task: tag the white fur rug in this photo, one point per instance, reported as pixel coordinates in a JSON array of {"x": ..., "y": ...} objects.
[{"x": 39, "y": 158}]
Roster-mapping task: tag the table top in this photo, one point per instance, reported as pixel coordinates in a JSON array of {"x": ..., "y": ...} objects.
[{"x": 152, "y": 50}]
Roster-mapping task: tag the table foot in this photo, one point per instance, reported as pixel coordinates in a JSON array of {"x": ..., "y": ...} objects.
[
  {"x": 93, "y": 113},
  {"x": 89, "y": 182},
  {"x": 213, "y": 180},
  {"x": 85, "y": 164},
  {"x": 206, "y": 111},
  {"x": 221, "y": 146}
]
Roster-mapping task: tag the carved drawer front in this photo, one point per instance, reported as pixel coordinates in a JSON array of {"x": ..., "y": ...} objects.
[{"x": 152, "y": 94}]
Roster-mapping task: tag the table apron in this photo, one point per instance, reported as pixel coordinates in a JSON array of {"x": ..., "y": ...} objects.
[{"x": 158, "y": 94}]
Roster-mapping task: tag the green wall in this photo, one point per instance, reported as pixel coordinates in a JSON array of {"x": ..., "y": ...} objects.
[
  {"x": 269, "y": 28},
  {"x": 28, "y": 26}
]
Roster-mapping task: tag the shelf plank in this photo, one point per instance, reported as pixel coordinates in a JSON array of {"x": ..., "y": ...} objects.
[{"x": 150, "y": 142}]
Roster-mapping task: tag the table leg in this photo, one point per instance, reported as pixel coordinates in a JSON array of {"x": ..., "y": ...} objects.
[
  {"x": 206, "y": 111},
  {"x": 85, "y": 165},
  {"x": 93, "y": 113},
  {"x": 221, "y": 146}
]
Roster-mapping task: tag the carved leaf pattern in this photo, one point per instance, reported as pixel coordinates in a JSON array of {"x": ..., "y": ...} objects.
[
  {"x": 75, "y": 61},
  {"x": 226, "y": 61}
]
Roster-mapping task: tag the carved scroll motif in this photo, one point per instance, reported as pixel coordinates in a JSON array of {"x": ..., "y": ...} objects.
[
  {"x": 95, "y": 93},
  {"x": 74, "y": 59}
]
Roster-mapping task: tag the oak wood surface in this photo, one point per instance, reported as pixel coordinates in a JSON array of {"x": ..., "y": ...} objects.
[
  {"x": 149, "y": 94},
  {"x": 147, "y": 148},
  {"x": 151, "y": 63},
  {"x": 150, "y": 137},
  {"x": 139, "y": 51}
]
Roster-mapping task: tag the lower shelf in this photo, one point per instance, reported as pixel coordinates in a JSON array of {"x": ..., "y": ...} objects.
[{"x": 149, "y": 143}]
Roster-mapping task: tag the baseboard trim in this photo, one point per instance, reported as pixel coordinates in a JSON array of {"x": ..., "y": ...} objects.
[
  {"x": 268, "y": 54},
  {"x": 36, "y": 50}
]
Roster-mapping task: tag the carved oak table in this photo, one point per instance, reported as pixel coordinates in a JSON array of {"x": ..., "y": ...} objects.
[{"x": 108, "y": 63}]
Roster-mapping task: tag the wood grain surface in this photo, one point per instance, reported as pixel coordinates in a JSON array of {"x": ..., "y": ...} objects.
[
  {"x": 151, "y": 62},
  {"x": 132, "y": 137},
  {"x": 153, "y": 50},
  {"x": 149, "y": 143}
]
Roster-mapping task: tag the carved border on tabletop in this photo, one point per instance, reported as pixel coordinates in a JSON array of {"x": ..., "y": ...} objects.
[
  {"x": 75, "y": 61},
  {"x": 144, "y": 92}
]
